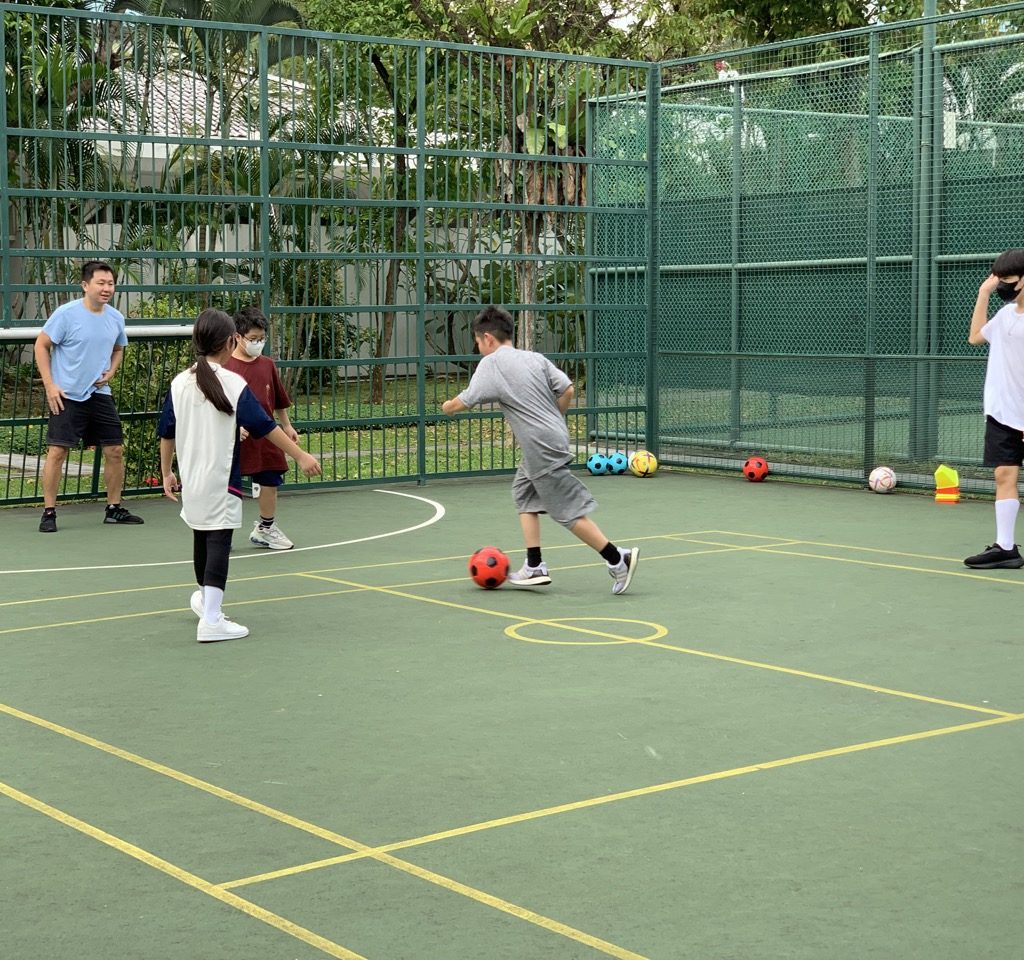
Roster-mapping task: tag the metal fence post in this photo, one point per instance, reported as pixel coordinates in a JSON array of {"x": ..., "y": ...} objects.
[
  {"x": 871, "y": 266},
  {"x": 652, "y": 424}
]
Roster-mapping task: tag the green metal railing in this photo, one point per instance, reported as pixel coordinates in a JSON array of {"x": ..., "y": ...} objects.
[
  {"x": 777, "y": 256},
  {"x": 370, "y": 194}
]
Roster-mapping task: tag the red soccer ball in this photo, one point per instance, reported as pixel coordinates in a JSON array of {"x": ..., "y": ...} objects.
[
  {"x": 755, "y": 469},
  {"x": 488, "y": 567}
]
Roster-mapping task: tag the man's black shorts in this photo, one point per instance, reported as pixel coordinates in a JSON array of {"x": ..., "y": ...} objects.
[
  {"x": 94, "y": 421},
  {"x": 1004, "y": 446}
]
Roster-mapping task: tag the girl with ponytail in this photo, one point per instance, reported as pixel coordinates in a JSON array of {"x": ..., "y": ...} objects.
[{"x": 202, "y": 413}]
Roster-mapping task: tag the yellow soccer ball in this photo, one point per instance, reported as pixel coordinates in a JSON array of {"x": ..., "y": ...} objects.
[{"x": 643, "y": 463}]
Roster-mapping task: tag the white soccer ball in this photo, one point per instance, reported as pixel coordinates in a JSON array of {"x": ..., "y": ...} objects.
[{"x": 882, "y": 480}]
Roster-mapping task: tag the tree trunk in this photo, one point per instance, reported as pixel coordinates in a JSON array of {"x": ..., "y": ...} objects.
[{"x": 531, "y": 223}]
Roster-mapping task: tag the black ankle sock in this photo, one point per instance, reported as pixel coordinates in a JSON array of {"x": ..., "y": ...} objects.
[
  {"x": 611, "y": 554},
  {"x": 49, "y": 511},
  {"x": 113, "y": 506},
  {"x": 266, "y": 522},
  {"x": 533, "y": 556}
]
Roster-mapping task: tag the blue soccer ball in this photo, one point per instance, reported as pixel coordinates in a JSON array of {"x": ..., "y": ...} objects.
[
  {"x": 618, "y": 463},
  {"x": 597, "y": 463}
]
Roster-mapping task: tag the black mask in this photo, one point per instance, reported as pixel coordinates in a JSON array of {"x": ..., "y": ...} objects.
[{"x": 1007, "y": 292}]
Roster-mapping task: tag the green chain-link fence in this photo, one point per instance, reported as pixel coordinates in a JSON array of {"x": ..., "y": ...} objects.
[{"x": 826, "y": 210}]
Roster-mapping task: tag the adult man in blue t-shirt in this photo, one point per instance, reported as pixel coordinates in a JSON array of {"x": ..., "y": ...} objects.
[{"x": 78, "y": 353}]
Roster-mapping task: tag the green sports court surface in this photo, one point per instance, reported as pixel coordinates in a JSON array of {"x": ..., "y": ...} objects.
[{"x": 797, "y": 736}]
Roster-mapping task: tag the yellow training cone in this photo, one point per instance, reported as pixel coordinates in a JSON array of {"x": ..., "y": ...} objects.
[{"x": 947, "y": 485}]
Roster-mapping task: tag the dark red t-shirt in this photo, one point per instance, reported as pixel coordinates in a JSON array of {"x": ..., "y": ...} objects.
[{"x": 265, "y": 382}]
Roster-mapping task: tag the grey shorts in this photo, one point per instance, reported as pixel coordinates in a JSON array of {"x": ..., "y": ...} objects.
[{"x": 559, "y": 494}]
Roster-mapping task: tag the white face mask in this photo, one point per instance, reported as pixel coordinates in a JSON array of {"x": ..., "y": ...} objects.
[{"x": 254, "y": 347}]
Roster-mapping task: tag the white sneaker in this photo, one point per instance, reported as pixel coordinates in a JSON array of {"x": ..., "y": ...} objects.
[
  {"x": 196, "y": 602},
  {"x": 530, "y": 576},
  {"x": 622, "y": 572},
  {"x": 223, "y": 629},
  {"x": 272, "y": 537}
]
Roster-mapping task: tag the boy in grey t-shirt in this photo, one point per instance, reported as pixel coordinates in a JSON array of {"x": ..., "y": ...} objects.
[{"x": 533, "y": 395}]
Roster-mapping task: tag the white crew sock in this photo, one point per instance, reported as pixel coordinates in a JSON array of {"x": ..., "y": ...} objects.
[
  {"x": 212, "y": 600},
  {"x": 1006, "y": 521}
]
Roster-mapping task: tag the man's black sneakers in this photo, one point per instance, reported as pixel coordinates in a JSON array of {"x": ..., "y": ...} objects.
[
  {"x": 48, "y": 523},
  {"x": 995, "y": 556},
  {"x": 118, "y": 514}
]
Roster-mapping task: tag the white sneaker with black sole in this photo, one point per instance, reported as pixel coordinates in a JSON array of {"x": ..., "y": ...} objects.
[
  {"x": 271, "y": 537},
  {"x": 223, "y": 629},
  {"x": 622, "y": 572},
  {"x": 529, "y": 576}
]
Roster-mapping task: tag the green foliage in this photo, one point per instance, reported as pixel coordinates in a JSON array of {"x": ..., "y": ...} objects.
[
  {"x": 372, "y": 18},
  {"x": 139, "y": 388}
]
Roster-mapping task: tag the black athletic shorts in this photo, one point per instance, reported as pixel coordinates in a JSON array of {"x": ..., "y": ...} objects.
[
  {"x": 1004, "y": 446},
  {"x": 268, "y": 478},
  {"x": 94, "y": 421}
]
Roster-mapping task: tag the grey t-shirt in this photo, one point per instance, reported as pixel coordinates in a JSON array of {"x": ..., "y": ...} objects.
[{"x": 526, "y": 385}]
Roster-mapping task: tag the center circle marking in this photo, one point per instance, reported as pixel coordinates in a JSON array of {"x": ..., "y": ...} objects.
[{"x": 604, "y": 639}]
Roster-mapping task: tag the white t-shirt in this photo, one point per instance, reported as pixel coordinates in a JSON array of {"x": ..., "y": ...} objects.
[
  {"x": 206, "y": 442},
  {"x": 1004, "y": 374}
]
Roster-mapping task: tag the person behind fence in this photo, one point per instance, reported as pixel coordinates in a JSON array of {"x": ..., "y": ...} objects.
[
  {"x": 1004, "y": 400},
  {"x": 534, "y": 396},
  {"x": 202, "y": 414},
  {"x": 78, "y": 352},
  {"x": 261, "y": 460}
]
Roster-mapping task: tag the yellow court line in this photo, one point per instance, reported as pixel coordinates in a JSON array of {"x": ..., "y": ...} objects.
[
  {"x": 80, "y": 623},
  {"x": 353, "y": 587},
  {"x": 725, "y": 658},
  {"x": 615, "y": 797},
  {"x": 156, "y": 613},
  {"x": 27, "y": 601},
  {"x": 690, "y": 536},
  {"x": 185, "y": 778},
  {"x": 776, "y": 548},
  {"x": 234, "y": 581},
  {"x": 292, "y": 573},
  {"x": 329, "y": 947},
  {"x": 825, "y": 543},
  {"x": 520, "y": 913},
  {"x": 964, "y": 575},
  {"x": 872, "y": 688},
  {"x": 893, "y": 553},
  {"x": 191, "y": 585},
  {"x": 547, "y": 923}
]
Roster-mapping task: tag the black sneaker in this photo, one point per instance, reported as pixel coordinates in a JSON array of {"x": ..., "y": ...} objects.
[
  {"x": 995, "y": 556},
  {"x": 118, "y": 514},
  {"x": 48, "y": 523}
]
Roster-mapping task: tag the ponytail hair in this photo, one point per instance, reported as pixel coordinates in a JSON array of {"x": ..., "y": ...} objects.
[{"x": 211, "y": 333}]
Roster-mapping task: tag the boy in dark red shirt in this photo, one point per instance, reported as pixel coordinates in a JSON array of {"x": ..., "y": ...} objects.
[{"x": 260, "y": 459}]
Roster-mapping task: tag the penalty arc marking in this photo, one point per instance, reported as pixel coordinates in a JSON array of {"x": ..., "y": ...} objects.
[{"x": 439, "y": 513}]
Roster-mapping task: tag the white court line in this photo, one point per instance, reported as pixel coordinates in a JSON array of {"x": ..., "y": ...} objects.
[{"x": 439, "y": 512}]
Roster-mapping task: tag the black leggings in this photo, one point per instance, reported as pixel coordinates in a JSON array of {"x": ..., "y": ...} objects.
[{"x": 210, "y": 551}]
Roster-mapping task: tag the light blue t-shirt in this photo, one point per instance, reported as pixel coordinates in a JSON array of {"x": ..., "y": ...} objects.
[{"x": 82, "y": 345}]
